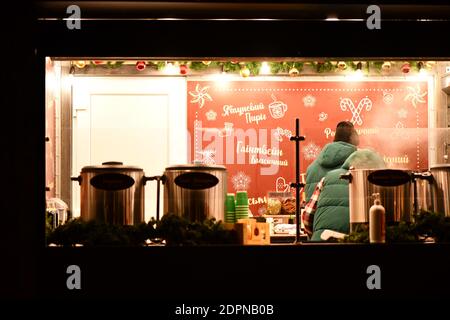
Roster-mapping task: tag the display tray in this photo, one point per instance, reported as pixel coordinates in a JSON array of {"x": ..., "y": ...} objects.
[
  {"x": 286, "y": 238},
  {"x": 278, "y": 215}
]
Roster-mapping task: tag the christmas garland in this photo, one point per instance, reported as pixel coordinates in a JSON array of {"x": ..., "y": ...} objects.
[
  {"x": 426, "y": 226},
  {"x": 245, "y": 68},
  {"x": 175, "y": 230},
  {"x": 172, "y": 229}
]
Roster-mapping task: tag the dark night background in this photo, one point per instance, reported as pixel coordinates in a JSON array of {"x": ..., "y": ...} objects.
[{"x": 216, "y": 274}]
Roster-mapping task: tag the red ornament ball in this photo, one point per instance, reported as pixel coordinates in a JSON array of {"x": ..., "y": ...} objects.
[
  {"x": 406, "y": 67},
  {"x": 140, "y": 65},
  {"x": 183, "y": 69}
]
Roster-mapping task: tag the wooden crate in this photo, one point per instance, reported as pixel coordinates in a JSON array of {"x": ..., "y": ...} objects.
[{"x": 251, "y": 232}]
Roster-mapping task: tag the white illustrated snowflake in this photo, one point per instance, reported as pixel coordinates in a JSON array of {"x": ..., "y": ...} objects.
[
  {"x": 415, "y": 95},
  {"x": 211, "y": 115},
  {"x": 311, "y": 151},
  {"x": 309, "y": 101},
  {"x": 402, "y": 113},
  {"x": 388, "y": 97},
  {"x": 207, "y": 156},
  {"x": 200, "y": 95},
  {"x": 323, "y": 116},
  {"x": 241, "y": 181}
]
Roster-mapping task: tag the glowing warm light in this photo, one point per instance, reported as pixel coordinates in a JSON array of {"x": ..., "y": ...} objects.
[
  {"x": 50, "y": 82},
  {"x": 170, "y": 69},
  {"x": 80, "y": 64},
  {"x": 423, "y": 72},
  {"x": 332, "y": 18},
  {"x": 355, "y": 76},
  {"x": 222, "y": 79},
  {"x": 265, "y": 68},
  {"x": 358, "y": 73}
]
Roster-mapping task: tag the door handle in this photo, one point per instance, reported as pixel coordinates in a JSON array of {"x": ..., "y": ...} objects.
[{"x": 445, "y": 151}]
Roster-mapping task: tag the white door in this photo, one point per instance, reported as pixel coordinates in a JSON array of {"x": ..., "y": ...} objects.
[{"x": 138, "y": 121}]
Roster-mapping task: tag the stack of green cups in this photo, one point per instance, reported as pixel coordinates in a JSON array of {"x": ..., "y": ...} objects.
[
  {"x": 230, "y": 208},
  {"x": 241, "y": 205}
]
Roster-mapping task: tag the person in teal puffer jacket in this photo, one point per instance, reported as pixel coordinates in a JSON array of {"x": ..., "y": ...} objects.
[
  {"x": 332, "y": 211},
  {"x": 332, "y": 155}
]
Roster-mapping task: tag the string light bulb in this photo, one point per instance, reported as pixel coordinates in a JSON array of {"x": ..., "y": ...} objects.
[
  {"x": 223, "y": 78},
  {"x": 71, "y": 70},
  {"x": 357, "y": 74},
  {"x": 170, "y": 69},
  {"x": 421, "y": 67},
  {"x": 358, "y": 71},
  {"x": 265, "y": 68}
]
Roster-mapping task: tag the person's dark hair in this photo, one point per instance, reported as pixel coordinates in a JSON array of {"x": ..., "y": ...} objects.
[{"x": 345, "y": 131}]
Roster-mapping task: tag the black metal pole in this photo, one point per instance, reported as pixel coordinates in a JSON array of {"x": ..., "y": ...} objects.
[
  {"x": 158, "y": 180},
  {"x": 297, "y": 180},
  {"x": 297, "y": 184}
]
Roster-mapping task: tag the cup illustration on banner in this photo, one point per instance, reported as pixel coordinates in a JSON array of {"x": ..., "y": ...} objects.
[
  {"x": 281, "y": 185},
  {"x": 227, "y": 131},
  {"x": 277, "y": 109}
]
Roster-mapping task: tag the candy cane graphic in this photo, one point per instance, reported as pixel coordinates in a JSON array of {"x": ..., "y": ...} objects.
[{"x": 347, "y": 103}]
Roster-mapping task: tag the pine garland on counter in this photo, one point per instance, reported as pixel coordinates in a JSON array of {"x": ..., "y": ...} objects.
[
  {"x": 427, "y": 226},
  {"x": 177, "y": 231},
  {"x": 174, "y": 229}
]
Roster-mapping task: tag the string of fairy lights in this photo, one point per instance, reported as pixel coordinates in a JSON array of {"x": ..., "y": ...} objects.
[{"x": 254, "y": 68}]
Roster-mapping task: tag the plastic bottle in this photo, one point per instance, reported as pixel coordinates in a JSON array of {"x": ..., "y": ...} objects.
[{"x": 377, "y": 221}]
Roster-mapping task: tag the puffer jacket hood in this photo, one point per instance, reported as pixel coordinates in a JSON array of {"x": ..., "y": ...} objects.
[
  {"x": 364, "y": 159},
  {"x": 331, "y": 157},
  {"x": 334, "y": 154}
]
